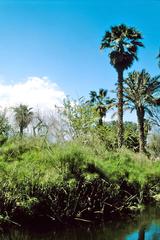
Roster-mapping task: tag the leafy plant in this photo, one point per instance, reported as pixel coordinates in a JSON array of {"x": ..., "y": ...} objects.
[
  {"x": 23, "y": 116},
  {"x": 140, "y": 93}
]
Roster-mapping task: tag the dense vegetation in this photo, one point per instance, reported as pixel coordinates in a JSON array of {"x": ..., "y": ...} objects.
[
  {"x": 72, "y": 165},
  {"x": 72, "y": 181}
]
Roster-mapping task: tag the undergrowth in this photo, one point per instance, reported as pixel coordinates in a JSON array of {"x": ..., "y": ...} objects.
[{"x": 70, "y": 181}]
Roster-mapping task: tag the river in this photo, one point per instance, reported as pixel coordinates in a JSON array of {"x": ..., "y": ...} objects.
[{"x": 146, "y": 226}]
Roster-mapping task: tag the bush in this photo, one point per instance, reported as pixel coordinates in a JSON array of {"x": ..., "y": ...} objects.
[
  {"x": 72, "y": 180},
  {"x": 154, "y": 145}
]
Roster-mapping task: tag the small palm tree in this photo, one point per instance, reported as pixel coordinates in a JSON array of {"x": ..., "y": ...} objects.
[
  {"x": 23, "y": 116},
  {"x": 101, "y": 102},
  {"x": 123, "y": 43},
  {"x": 141, "y": 91}
]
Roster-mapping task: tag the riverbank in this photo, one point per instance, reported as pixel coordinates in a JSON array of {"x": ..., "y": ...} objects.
[
  {"x": 72, "y": 182},
  {"x": 144, "y": 226}
]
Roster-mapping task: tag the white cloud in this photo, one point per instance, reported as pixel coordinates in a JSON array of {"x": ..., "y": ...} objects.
[{"x": 35, "y": 92}]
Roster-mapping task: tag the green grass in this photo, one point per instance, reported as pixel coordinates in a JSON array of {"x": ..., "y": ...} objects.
[{"x": 38, "y": 178}]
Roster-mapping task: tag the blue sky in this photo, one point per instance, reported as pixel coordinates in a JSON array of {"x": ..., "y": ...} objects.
[{"x": 60, "y": 40}]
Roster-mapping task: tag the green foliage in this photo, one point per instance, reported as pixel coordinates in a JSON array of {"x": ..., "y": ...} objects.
[
  {"x": 87, "y": 175},
  {"x": 81, "y": 118},
  {"x": 4, "y": 127},
  {"x": 108, "y": 135},
  {"x": 83, "y": 122},
  {"x": 61, "y": 180},
  {"x": 141, "y": 90},
  {"x": 23, "y": 116},
  {"x": 154, "y": 145},
  {"x": 131, "y": 136},
  {"x": 101, "y": 103},
  {"x": 123, "y": 42},
  {"x": 127, "y": 166},
  {"x": 154, "y": 116}
]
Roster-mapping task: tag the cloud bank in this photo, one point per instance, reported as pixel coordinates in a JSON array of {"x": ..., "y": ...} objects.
[{"x": 35, "y": 92}]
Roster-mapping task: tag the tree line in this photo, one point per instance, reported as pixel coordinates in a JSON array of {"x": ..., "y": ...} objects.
[{"x": 139, "y": 92}]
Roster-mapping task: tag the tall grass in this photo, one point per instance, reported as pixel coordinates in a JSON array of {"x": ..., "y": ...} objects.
[{"x": 72, "y": 180}]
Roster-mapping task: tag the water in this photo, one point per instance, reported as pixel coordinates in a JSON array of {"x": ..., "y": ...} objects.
[{"x": 144, "y": 227}]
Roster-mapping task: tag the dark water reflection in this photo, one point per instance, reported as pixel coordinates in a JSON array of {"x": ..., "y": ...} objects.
[{"x": 145, "y": 227}]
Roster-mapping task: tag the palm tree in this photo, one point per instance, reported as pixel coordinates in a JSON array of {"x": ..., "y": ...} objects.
[
  {"x": 23, "y": 116},
  {"x": 123, "y": 43},
  {"x": 141, "y": 91},
  {"x": 101, "y": 102}
]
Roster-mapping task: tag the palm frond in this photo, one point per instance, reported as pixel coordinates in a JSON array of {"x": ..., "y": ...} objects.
[
  {"x": 123, "y": 42},
  {"x": 141, "y": 90}
]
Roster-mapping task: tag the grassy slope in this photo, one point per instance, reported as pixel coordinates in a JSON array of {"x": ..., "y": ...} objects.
[{"x": 71, "y": 180}]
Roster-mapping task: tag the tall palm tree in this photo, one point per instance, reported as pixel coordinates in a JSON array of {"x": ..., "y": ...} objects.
[
  {"x": 123, "y": 43},
  {"x": 23, "y": 116},
  {"x": 141, "y": 91},
  {"x": 102, "y": 103}
]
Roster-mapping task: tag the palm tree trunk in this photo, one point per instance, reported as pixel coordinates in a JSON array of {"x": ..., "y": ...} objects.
[
  {"x": 101, "y": 115},
  {"x": 100, "y": 121},
  {"x": 21, "y": 131},
  {"x": 120, "y": 108},
  {"x": 140, "y": 116}
]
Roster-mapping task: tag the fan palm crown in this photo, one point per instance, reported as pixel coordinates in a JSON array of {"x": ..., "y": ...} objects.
[
  {"x": 123, "y": 42},
  {"x": 101, "y": 102}
]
